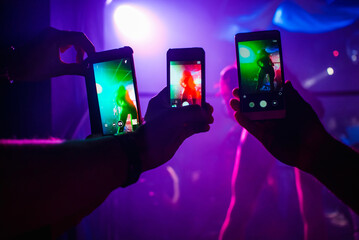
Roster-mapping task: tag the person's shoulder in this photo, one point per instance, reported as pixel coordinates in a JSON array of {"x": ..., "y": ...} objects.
[{"x": 228, "y": 69}]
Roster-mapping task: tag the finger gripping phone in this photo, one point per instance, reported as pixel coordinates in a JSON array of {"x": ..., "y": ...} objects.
[
  {"x": 260, "y": 74},
  {"x": 186, "y": 76},
  {"x": 112, "y": 92}
]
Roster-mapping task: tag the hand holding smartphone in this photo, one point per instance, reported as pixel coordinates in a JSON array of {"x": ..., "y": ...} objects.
[
  {"x": 112, "y": 92},
  {"x": 186, "y": 76},
  {"x": 260, "y": 74}
]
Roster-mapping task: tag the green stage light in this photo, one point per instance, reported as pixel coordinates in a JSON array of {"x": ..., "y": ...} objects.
[{"x": 246, "y": 54}]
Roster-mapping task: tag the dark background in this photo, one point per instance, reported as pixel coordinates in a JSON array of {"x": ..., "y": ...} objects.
[{"x": 199, "y": 173}]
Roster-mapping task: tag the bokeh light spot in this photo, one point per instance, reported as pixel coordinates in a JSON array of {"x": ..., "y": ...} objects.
[
  {"x": 245, "y": 53},
  {"x": 330, "y": 71},
  {"x": 98, "y": 88},
  {"x": 139, "y": 28}
]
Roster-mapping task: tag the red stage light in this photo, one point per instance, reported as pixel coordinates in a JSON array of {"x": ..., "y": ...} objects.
[{"x": 335, "y": 53}]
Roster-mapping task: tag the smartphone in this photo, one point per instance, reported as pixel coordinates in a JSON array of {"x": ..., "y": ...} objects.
[
  {"x": 186, "y": 76},
  {"x": 112, "y": 94},
  {"x": 260, "y": 74}
]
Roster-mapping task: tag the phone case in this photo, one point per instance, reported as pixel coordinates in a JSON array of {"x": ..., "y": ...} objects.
[
  {"x": 112, "y": 92},
  {"x": 186, "y": 76},
  {"x": 260, "y": 74}
]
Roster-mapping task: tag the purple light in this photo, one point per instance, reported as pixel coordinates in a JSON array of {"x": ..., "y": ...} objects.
[
  {"x": 31, "y": 141},
  {"x": 233, "y": 185}
]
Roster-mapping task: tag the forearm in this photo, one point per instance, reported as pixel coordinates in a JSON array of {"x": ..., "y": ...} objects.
[
  {"x": 43, "y": 184},
  {"x": 337, "y": 167}
]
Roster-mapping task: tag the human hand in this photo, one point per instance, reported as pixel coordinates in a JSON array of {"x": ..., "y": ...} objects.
[
  {"x": 294, "y": 140},
  {"x": 40, "y": 58},
  {"x": 166, "y": 128}
]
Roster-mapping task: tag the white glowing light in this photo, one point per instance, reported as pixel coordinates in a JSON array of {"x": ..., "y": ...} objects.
[
  {"x": 354, "y": 58},
  {"x": 185, "y": 103},
  {"x": 139, "y": 28},
  {"x": 132, "y": 22},
  {"x": 330, "y": 71},
  {"x": 278, "y": 16},
  {"x": 309, "y": 82},
  {"x": 98, "y": 88},
  {"x": 315, "y": 79},
  {"x": 244, "y": 52},
  {"x": 176, "y": 189}
]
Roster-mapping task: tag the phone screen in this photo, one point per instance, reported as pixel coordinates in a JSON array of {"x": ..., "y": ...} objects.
[
  {"x": 116, "y": 96},
  {"x": 185, "y": 83},
  {"x": 261, "y": 78}
]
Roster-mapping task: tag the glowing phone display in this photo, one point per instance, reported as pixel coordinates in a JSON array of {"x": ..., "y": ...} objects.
[
  {"x": 260, "y": 66},
  {"x": 260, "y": 74},
  {"x": 185, "y": 83},
  {"x": 186, "y": 76},
  {"x": 116, "y": 96}
]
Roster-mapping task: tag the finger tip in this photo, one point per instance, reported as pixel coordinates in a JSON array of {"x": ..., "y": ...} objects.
[
  {"x": 288, "y": 84},
  {"x": 205, "y": 128},
  {"x": 234, "y": 103},
  {"x": 208, "y": 128},
  {"x": 208, "y": 107},
  {"x": 91, "y": 49}
]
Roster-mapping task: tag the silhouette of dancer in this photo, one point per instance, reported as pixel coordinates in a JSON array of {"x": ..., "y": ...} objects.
[
  {"x": 126, "y": 107},
  {"x": 266, "y": 69},
  {"x": 189, "y": 92}
]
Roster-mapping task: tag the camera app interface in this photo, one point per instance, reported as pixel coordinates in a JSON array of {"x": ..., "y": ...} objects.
[
  {"x": 260, "y": 75},
  {"x": 116, "y": 96},
  {"x": 185, "y": 83}
]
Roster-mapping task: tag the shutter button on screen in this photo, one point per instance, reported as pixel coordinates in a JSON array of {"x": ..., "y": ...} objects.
[{"x": 263, "y": 103}]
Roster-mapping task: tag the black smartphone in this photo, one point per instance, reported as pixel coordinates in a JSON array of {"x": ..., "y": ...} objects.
[
  {"x": 260, "y": 74},
  {"x": 186, "y": 76},
  {"x": 112, "y": 92}
]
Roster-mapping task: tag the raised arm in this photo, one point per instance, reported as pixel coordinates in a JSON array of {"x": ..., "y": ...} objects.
[
  {"x": 57, "y": 184},
  {"x": 300, "y": 140}
]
